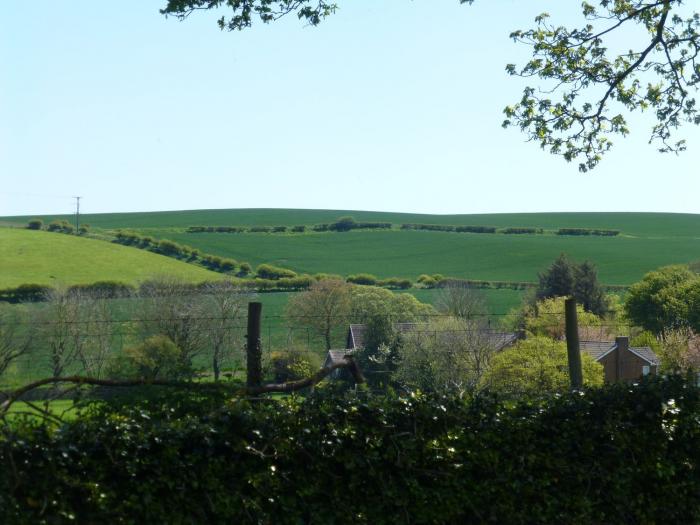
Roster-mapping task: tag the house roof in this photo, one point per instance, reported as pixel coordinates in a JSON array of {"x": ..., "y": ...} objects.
[
  {"x": 500, "y": 340},
  {"x": 599, "y": 349},
  {"x": 645, "y": 353},
  {"x": 335, "y": 357}
]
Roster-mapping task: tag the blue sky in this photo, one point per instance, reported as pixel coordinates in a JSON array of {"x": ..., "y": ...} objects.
[{"x": 392, "y": 105}]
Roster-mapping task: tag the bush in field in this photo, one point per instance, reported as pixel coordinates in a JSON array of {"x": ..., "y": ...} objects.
[
  {"x": 279, "y": 229},
  {"x": 228, "y": 265},
  {"x": 35, "y": 224},
  {"x": 169, "y": 248},
  {"x": 298, "y": 229},
  {"x": 363, "y": 278},
  {"x": 520, "y": 231},
  {"x": 213, "y": 262},
  {"x": 394, "y": 283},
  {"x": 290, "y": 366},
  {"x": 344, "y": 224},
  {"x": 244, "y": 269},
  {"x": 268, "y": 271},
  {"x": 106, "y": 289},
  {"x": 155, "y": 358},
  {"x": 426, "y": 281},
  {"x": 259, "y": 229},
  {"x": 60, "y": 226}
]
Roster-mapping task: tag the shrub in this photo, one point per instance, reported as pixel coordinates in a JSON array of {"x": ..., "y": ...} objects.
[
  {"x": 343, "y": 224},
  {"x": 60, "y": 226},
  {"x": 279, "y": 229},
  {"x": 35, "y": 224},
  {"x": 268, "y": 271},
  {"x": 227, "y": 265},
  {"x": 426, "y": 281},
  {"x": 244, "y": 269},
  {"x": 520, "y": 231},
  {"x": 394, "y": 283},
  {"x": 298, "y": 229},
  {"x": 84, "y": 229},
  {"x": 168, "y": 248},
  {"x": 259, "y": 229},
  {"x": 213, "y": 262},
  {"x": 475, "y": 229},
  {"x": 25, "y": 293},
  {"x": 429, "y": 227},
  {"x": 587, "y": 231},
  {"x": 110, "y": 289},
  {"x": 362, "y": 278},
  {"x": 290, "y": 366},
  {"x": 155, "y": 358}
]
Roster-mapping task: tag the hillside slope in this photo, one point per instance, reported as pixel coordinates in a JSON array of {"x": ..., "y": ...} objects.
[
  {"x": 54, "y": 258},
  {"x": 665, "y": 224}
]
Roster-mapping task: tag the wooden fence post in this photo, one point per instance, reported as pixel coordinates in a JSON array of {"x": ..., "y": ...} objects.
[
  {"x": 254, "y": 346},
  {"x": 572, "y": 345}
]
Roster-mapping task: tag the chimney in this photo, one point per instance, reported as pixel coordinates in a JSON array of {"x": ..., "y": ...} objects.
[{"x": 623, "y": 345}]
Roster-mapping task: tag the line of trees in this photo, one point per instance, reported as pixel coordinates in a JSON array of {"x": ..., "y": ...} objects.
[{"x": 171, "y": 326}]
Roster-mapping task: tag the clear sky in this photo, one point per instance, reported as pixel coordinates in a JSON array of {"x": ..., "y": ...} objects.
[{"x": 388, "y": 105}]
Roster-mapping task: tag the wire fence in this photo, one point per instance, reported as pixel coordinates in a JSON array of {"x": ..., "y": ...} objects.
[{"x": 94, "y": 337}]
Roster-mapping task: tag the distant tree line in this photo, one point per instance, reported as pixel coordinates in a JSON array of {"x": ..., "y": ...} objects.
[
  {"x": 470, "y": 229},
  {"x": 587, "y": 231}
]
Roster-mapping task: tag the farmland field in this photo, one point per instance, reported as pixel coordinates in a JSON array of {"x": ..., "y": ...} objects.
[
  {"x": 647, "y": 241},
  {"x": 54, "y": 258}
]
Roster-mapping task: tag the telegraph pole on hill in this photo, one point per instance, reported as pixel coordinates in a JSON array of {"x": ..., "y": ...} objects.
[{"x": 77, "y": 215}]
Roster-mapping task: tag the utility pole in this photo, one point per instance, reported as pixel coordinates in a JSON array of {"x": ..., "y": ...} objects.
[
  {"x": 253, "y": 346},
  {"x": 572, "y": 345},
  {"x": 77, "y": 215}
]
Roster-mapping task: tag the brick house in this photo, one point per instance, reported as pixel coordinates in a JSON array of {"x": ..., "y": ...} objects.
[{"x": 622, "y": 362}]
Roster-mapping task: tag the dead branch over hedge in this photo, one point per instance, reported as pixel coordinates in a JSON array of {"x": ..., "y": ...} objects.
[{"x": 292, "y": 386}]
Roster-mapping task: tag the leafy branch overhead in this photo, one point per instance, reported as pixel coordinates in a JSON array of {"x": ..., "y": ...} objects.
[
  {"x": 244, "y": 11},
  {"x": 592, "y": 78}
]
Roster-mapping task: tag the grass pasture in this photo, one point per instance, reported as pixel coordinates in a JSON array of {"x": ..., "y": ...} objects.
[
  {"x": 647, "y": 241},
  {"x": 407, "y": 254},
  {"x": 58, "y": 259}
]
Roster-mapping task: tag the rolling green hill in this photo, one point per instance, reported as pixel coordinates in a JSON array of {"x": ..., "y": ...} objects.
[
  {"x": 54, "y": 258},
  {"x": 645, "y": 224},
  {"x": 647, "y": 241}
]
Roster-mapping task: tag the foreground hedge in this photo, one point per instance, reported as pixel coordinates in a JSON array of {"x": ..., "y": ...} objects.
[{"x": 617, "y": 455}]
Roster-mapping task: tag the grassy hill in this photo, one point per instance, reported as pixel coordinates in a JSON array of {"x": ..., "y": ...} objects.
[
  {"x": 647, "y": 241},
  {"x": 53, "y": 258},
  {"x": 644, "y": 224}
]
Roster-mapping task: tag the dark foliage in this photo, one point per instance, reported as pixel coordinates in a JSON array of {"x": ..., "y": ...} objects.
[
  {"x": 521, "y": 231},
  {"x": 25, "y": 293},
  {"x": 622, "y": 454},
  {"x": 565, "y": 278},
  {"x": 587, "y": 231}
]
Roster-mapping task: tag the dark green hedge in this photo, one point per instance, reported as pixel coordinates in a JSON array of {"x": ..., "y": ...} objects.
[
  {"x": 24, "y": 293},
  {"x": 521, "y": 231},
  {"x": 587, "y": 231},
  {"x": 623, "y": 454}
]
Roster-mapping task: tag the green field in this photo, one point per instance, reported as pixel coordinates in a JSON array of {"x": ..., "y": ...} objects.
[
  {"x": 54, "y": 258},
  {"x": 645, "y": 224},
  {"x": 647, "y": 241}
]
